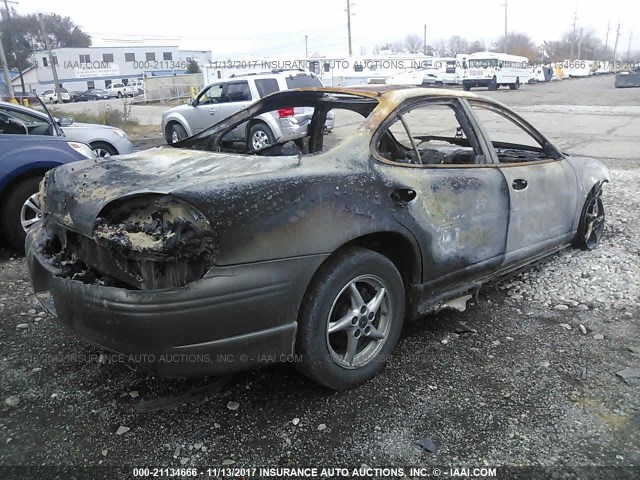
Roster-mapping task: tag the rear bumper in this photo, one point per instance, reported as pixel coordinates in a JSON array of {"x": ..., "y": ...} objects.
[{"x": 235, "y": 319}]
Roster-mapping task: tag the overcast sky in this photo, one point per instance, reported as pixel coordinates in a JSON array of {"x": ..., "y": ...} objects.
[{"x": 278, "y": 27}]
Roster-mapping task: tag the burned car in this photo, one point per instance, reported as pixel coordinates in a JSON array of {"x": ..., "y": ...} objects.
[{"x": 199, "y": 260}]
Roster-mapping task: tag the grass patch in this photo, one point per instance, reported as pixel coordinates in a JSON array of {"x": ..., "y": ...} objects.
[{"x": 107, "y": 115}]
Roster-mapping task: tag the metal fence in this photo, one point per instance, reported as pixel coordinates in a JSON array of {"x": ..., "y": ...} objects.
[{"x": 164, "y": 89}]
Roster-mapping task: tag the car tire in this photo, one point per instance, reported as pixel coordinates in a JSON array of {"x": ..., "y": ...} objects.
[
  {"x": 259, "y": 137},
  {"x": 350, "y": 354},
  {"x": 176, "y": 133},
  {"x": 466, "y": 87},
  {"x": 103, "y": 149},
  {"x": 515, "y": 86},
  {"x": 12, "y": 211},
  {"x": 493, "y": 85},
  {"x": 591, "y": 223}
]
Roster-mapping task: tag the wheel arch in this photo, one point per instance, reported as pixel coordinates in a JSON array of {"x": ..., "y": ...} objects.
[
  {"x": 21, "y": 177},
  {"x": 176, "y": 120},
  {"x": 399, "y": 248}
]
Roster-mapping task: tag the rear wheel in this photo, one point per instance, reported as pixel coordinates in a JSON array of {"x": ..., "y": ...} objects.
[
  {"x": 515, "y": 86},
  {"x": 466, "y": 87},
  {"x": 351, "y": 318},
  {"x": 493, "y": 85},
  {"x": 259, "y": 138},
  {"x": 21, "y": 211}
]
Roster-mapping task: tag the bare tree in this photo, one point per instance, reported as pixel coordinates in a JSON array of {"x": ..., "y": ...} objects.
[
  {"x": 475, "y": 46},
  {"x": 413, "y": 43},
  {"x": 397, "y": 46},
  {"x": 519, "y": 44},
  {"x": 441, "y": 48},
  {"x": 457, "y": 45}
]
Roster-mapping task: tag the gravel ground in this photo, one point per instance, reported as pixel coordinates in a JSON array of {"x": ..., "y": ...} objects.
[{"x": 534, "y": 383}]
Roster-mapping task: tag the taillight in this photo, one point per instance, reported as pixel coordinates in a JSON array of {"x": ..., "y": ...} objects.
[{"x": 285, "y": 112}]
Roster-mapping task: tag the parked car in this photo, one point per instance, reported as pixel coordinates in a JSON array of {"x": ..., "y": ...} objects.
[
  {"x": 200, "y": 260},
  {"x": 91, "y": 94},
  {"x": 50, "y": 96},
  {"x": 138, "y": 87},
  {"x": 629, "y": 78},
  {"x": 24, "y": 159},
  {"x": 103, "y": 139},
  {"x": 119, "y": 90},
  {"x": 222, "y": 99}
]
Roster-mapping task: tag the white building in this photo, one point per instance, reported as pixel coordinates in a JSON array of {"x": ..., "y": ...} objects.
[{"x": 97, "y": 67}]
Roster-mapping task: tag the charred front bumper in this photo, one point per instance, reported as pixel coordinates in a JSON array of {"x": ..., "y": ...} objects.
[{"x": 233, "y": 318}]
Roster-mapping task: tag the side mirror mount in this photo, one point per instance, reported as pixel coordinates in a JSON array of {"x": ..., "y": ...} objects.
[{"x": 66, "y": 121}]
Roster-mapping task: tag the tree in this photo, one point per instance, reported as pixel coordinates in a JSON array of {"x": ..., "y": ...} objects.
[
  {"x": 413, "y": 43},
  {"x": 440, "y": 48},
  {"x": 23, "y": 36},
  {"x": 193, "y": 67},
  {"x": 475, "y": 46},
  {"x": 518, "y": 44},
  {"x": 457, "y": 45}
]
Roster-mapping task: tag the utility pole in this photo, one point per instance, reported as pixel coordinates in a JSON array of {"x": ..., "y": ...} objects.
[
  {"x": 11, "y": 43},
  {"x": 629, "y": 47},
  {"x": 349, "y": 24},
  {"x": 5, "y": 70},
  {"x": 615, "y": 48},
  {"x": 606, "y": 42},
  {"x": 580, "y": 45},
  {"x": 54, "y": 71},
  {"x": 506, "y": 38},
  {"x": 424, "y": 40},
  {"x": 306, "y": 46},
  {"x": 573, "y": 34}
]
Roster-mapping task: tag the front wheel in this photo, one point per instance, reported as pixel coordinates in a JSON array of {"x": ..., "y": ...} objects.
[
  {"x": 102, "y": 149},
  {"x": 21, "y": 211},
  {"x": 351, "y": 318},
  {"x": 176, "y": 133},
  {"x": 591, "y": 223}
]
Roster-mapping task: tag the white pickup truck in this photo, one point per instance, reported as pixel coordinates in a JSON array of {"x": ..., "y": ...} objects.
[{"x": 120, "y": 90}]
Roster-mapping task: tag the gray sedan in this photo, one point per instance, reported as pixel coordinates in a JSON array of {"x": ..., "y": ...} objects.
[
  {"x": 202, "y": 260},
  {"x": 104, "y": 140}
]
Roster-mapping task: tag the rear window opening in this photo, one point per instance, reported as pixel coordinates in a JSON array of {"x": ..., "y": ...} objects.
[
  {"x": 303, "y": 80},
  {"x": 308, "y": 123}
]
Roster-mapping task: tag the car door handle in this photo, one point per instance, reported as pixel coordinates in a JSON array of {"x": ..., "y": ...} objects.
[
  {"x": 212, "y": 111},
  {"x": 403, "y": 195},
  {"x": 519, "y": 184}
]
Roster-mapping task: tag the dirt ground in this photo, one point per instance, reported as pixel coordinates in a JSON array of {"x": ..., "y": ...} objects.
[{"x": 534, "y": 383}]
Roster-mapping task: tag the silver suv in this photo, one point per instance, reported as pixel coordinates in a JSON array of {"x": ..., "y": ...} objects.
[{"x": 219, "y": 100}]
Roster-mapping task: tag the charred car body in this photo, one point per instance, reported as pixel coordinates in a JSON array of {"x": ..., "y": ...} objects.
[{"x": 209, "y": 254}]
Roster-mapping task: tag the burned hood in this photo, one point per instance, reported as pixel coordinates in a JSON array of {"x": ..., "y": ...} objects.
[{"x": 75, "y": 194}]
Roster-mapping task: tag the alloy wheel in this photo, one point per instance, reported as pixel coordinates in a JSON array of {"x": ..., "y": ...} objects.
[
  {"x": 31, "y": 212},
  {"x": 359, "y": 322}
]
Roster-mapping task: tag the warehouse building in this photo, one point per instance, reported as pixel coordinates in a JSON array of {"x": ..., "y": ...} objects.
[{"x": 80, "y": 69}]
